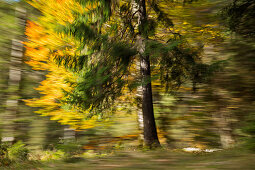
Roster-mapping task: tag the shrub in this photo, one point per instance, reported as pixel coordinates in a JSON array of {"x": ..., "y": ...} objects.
[{"x": 18, "y": 152}]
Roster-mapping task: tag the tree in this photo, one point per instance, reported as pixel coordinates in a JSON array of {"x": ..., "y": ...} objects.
[
  {"x": 105, "y": 39},
  {"x": 176, "y": 62},
  {"x": 7, "y": 33},
  {"x": 238, "y": 16},
  {"x": 15, "y": 31},
  {"x": 150, "y": 132}
]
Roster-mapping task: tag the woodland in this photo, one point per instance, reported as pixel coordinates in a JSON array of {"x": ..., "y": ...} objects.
[{"x": 127, "y": 84}]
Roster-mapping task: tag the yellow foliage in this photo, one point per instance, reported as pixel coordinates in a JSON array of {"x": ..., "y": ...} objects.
[{"x": 41, "y": 41}]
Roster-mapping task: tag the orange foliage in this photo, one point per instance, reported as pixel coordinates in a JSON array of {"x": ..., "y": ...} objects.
[{"x": 41, "y": 41}]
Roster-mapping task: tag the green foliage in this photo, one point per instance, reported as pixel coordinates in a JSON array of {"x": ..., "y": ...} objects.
[
  {"x": 180, "y": 62},
  {"x": 13, "y": 153},
  {"x": 101, "y": 63},
  {"x": 18, "y": 152},
  {"x": 102, "y": 10},
  {"x": 97, "y": 87},
  {"x": 4, "y": 159}
]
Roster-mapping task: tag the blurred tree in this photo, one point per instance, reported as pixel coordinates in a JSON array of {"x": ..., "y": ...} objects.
[
  {"x": 192, "y": 113},
  {"x": 18, "y": 80},
  {"x": 99, "y": 42},
  {"x": 239, "y": 17},
  {"x": 7, "y": 30},
  {"x": 14, "y": 72},
  {"x": 112, "y": 34}
]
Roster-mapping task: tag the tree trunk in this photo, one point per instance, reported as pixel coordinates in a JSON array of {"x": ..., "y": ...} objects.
[
  {"x": 69, "y": 134},
  {"x": 13, "y": 91},
  {"x": 139, "y": 108},
  {"x": 224, "y": 128},
  {"x": 223, "y": 117},
  {"x": 150, "y": 131},
  {"x": 12, "y": 101}
]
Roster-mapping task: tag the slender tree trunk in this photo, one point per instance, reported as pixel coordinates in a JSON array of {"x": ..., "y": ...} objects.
[
  {"x": 13, "y": 91},
  {"x": 139, "y": 107},
  {"x": 225, "y": 131},
  {"x": 150, "y": 131},
  {"x": 222, "y": 117}
]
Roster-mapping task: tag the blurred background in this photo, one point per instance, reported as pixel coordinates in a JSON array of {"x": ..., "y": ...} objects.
[{"x": 216, "y": 111}]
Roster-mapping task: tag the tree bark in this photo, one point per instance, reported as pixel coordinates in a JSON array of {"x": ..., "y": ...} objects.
[{"x": 150, "y": 131}]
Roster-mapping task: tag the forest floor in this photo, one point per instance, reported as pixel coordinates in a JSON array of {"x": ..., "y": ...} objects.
[{"x": 157, "y": 159}]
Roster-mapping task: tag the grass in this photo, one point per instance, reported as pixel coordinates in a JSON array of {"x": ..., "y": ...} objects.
[{"x": 156, "y": 159}]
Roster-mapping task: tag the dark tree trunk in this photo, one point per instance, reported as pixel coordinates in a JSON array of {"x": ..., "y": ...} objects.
[{"x": 150, "y": 131}]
